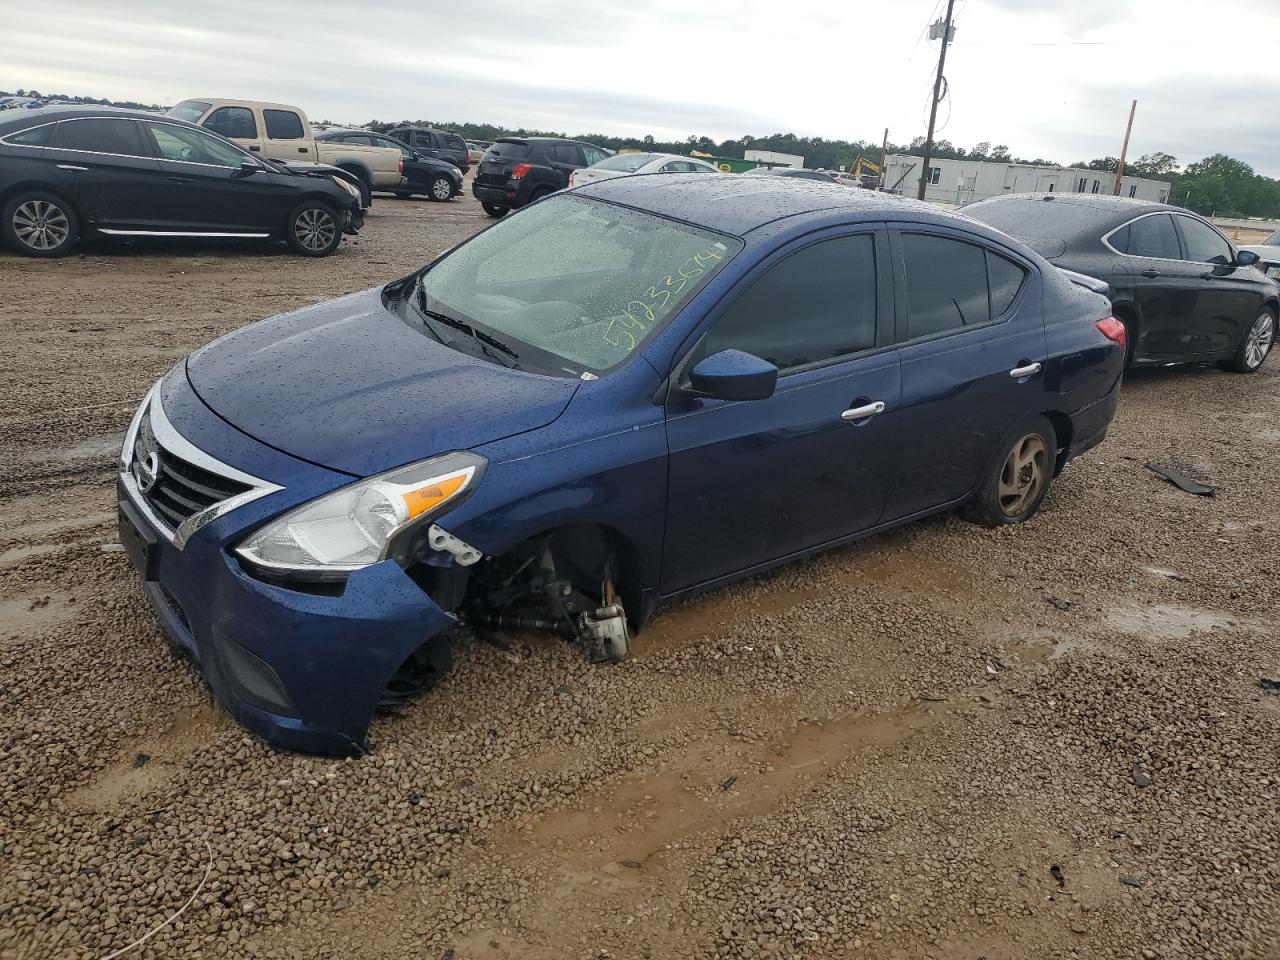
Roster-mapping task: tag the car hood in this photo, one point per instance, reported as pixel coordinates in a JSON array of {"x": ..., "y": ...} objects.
[{"x": 350, "y": 386}]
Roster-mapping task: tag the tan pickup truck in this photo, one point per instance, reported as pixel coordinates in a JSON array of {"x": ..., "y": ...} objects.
[{"x": 282, "y": 132}]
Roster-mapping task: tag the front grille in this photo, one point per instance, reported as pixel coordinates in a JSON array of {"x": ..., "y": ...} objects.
[{"x": 180, "y": 489}]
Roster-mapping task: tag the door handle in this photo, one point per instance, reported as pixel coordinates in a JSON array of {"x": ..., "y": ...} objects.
[
  {"x": 861, "y": 413},
  {"x": 183, "y": 180},
  {"x": 302, "y": 149},
  {"x": 255, "y": 149},
  {"x": 1030, "y": 370},
  {"x": 73, "y": 168},
  {"x": 1151, "y": 274}
]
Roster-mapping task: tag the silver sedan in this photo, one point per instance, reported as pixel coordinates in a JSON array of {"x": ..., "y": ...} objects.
[{"x": 626, "y": 164}]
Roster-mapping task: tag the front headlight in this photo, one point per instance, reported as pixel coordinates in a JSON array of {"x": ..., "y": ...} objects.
[
  {"x": 346, "y": 186},
  {"x": 456, "y": 171},
  {"x": 356, "y": 526}
]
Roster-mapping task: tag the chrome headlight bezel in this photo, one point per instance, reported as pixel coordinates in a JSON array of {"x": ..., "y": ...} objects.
[{"x": 325, "y": 516}]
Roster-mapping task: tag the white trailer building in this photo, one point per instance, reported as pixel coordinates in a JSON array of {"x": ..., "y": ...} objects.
[
  {"x": 963, "y": 181},
  {"x": 773, "y": 157}
]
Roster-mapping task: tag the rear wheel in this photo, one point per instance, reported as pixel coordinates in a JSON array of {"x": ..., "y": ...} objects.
[
  {"x": 495, "y": 210},
  {"x": 1255, "y": 345},
  {"x": 441, "y": 188},
  {"x": 38, "y": 224},
  {"x": 313, "y": 229},
  {"x": 1017, "y": 482}
]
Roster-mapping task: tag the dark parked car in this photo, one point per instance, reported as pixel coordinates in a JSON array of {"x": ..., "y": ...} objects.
[
  {"x": 801, "y": 173},
  {"x": 440, "y": 144},
  {"x": 519, "y": 170},
  {"x": 1183, "y": 292},
  {"x": 68, "y": 172},
  {"x": 437, "y": 179},
  {"x": 683, "y": 380}
]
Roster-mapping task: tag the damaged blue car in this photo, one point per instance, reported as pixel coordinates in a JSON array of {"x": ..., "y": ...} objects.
[{"x": 624, "y": 393}]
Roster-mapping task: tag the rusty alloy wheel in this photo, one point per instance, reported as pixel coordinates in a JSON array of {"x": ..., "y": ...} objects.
[{"x": 1023, "y": 475}]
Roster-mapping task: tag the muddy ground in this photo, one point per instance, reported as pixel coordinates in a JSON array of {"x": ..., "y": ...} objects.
[{"x": 1048, "y": 741}]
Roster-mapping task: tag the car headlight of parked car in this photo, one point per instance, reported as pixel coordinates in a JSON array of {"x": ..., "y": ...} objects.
[
  {"x": 456, "y": 171},
  {"x": 346, "y": 186},
  {"x": 358, "y": 525}
]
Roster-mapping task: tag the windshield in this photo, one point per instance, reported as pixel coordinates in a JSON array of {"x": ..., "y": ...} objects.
[
  {"x": 626, "y": 162},
  {"x": 1033, "y": 219},
  {"x": 188, "y": 110},
  {"x": 1272, "y": 241},
  {"x": 573, "y": 285}
]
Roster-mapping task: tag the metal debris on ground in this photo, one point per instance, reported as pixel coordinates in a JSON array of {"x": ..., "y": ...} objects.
[
  {"x": 1056, "y": 872},
  {"x": 1270, "y": 684},
  {"x": 1061, "y": 604},
  {"x": 1181, "y": 480},
  {"x": 1139, "y": 776},
  {"x": 728, "y": 784}
]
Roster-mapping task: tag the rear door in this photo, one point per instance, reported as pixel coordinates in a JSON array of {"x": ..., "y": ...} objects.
[
  {"x": 756, "y": 481},
  {"x": 564, "y": 158},
  {"x": 206, "y": 191},
  {"x": 109, "y": 169},
  {"x": 287, "y": 137},
  {"x": 500, "y": 159},
  {"x": 1229, "y": 301},
  {"x": 1165, "y": 286},
  {"x": 235, "y": 123},
  {"x": 971, "y": 329}
]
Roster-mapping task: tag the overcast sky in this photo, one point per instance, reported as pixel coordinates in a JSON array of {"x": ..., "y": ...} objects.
[{"x": 1050, "y": 78}]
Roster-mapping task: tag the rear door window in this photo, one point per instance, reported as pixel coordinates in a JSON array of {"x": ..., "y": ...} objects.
[
  {"x": 1154, "y": 237},
  {"x": 833, "y": 317},
  {"x": 283, "y": 125},
  {"x": 100, "y": 135},
  {"x": 946, "y": 284},
  {"x": 567, "y": 153},
  {"x": 35, "y": 137},
  {"x": 234, "y": 123}
]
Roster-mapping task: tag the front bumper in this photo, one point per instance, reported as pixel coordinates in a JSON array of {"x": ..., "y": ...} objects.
[
  {"x": 355, "y": 218},
  {"x": 304, "y": 671}
]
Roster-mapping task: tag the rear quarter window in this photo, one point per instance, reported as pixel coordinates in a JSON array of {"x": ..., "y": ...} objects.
[{"x": 35, "y": 137}]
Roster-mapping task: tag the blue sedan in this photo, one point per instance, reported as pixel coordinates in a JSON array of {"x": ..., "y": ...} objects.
[{"x": 624, "y": 393}]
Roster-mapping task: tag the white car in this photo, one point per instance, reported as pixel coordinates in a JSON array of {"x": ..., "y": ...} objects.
[
  {"x": 625, "y": 164},
  {"x": 1268, "y": 252}
]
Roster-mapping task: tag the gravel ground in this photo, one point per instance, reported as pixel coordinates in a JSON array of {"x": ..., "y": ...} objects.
[{"x": 1049, "y": 741}]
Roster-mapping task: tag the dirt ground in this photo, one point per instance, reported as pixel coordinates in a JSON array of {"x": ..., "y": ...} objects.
[{"x": 1048, "y": 741}]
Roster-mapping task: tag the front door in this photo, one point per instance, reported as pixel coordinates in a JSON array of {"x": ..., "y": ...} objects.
[
  {"x": 1229, "y": 301},
  {"x": 106, "y": 164},
  {"x": 205, "y": 189},
  {"x": 287, "y": 136},
  {"x": 967, "y": 323},
  {"x": 752, "y": 482}
]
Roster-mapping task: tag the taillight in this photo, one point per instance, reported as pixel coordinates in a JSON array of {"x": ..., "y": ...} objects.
[
  {"x": 1113, "y": 330},
  {"x": 520, "y": 170},
  {"x": 573, "y": 179},
  {"x": 402, "y": 166}
]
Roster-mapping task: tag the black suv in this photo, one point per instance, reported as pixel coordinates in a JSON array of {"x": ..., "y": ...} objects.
[
  {"x": 67, "y": 172},
  {"x": 438, "y": 179},
  {"x": 518, "y": 170},
  {"x": 441, "y": 144}
]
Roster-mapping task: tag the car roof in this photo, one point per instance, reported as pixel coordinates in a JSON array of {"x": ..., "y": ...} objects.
[
  {"x": 738, "y": 204},
  {"x": 33, "y": 118},
  {"x": 1103, "y": 203}
]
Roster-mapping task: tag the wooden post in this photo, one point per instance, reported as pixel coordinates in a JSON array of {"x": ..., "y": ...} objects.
[{"x": 1124, "y": 150}]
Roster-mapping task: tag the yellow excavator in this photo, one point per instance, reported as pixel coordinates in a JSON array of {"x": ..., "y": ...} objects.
[{"x": 867, "y": 172}]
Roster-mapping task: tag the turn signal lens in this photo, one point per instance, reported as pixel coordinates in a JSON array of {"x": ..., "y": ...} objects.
[
  {"x": 1113, "y": 330},
  {"x": 419, "y": 501}
]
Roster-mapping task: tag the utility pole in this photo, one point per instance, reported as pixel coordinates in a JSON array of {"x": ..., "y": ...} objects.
[
  {"x": 884, "y": 158},
  {"x": 947, "y": 32},
  {"x": 1124, "y": 150}
]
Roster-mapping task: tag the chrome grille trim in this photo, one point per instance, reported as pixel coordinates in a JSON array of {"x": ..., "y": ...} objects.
[{"x": 174, "y": 443}]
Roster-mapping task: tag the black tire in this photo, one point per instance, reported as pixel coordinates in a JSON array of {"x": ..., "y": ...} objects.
[
  {"x": 440, "y": 189},
  {"x": 495, "y": 210},
  {"x": 1013, "y": 495},
  {"x": 314, "y": 229},
  {"x": 39, "y": 224},
  {"x": 1255, "y": 345}
]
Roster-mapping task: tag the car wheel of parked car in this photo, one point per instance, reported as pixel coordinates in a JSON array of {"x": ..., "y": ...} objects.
[
  {"x": 1255, "y": 345},
  {"x": 40, "y": 225},
  {"x": 494, "y": 210},
  {"x": 314, "y": 229},
  {"x": 442, "y": 188},
  {"x": 1017, "y": 483}
]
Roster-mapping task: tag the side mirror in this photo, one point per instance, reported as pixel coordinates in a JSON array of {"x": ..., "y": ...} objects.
[
  {"x": 734, "y": 375},
  {"x": 1246, "y": 258},
  {"x": 247, "y": 168}
]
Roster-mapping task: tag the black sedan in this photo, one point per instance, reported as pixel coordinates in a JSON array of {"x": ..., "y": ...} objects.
[
  {"x": 1183, "y": 292},
  {"x": 70, "y": 172},
  {"x": 438, "y": 179}
]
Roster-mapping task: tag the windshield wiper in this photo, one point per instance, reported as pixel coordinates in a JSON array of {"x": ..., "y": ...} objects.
[{"x": 490, "y": 346}]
